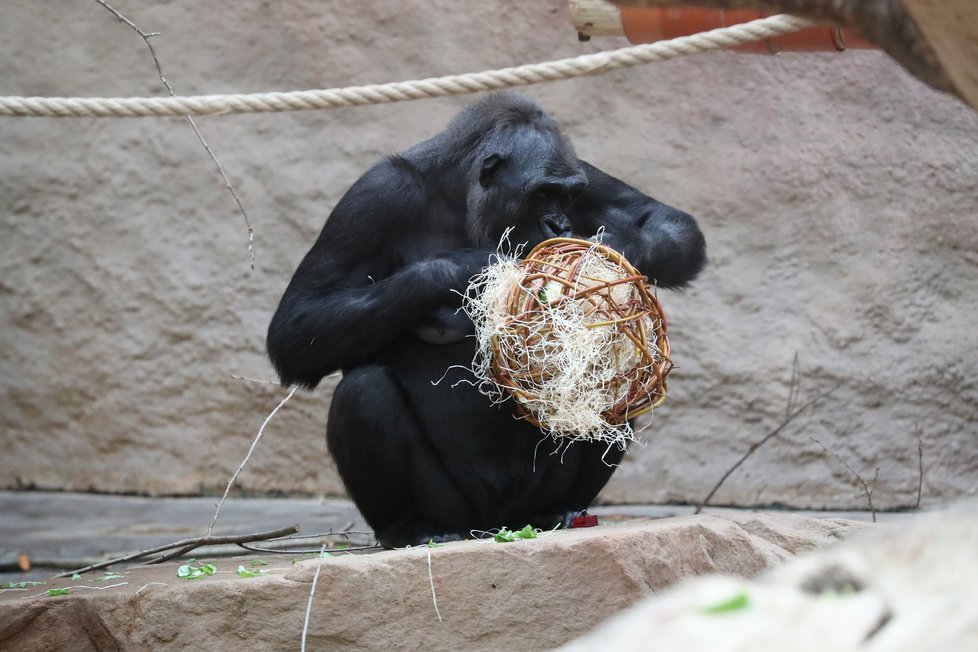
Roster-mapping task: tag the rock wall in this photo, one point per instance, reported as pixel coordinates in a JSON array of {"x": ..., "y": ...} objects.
[{"x": 838, "y": 196}]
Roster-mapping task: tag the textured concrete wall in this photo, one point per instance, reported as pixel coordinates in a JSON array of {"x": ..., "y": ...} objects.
[{"x": 838, "y": 195}]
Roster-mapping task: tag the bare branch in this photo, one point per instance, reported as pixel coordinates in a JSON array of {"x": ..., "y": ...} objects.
[
  {"x": 186, "y": 545},
  {"x": 920, "y": 464},
  {"x": 756, "y": 445},
  {"x": 343, "y": 532},
  {"x": 179, "y": 552},
  {"x": 289, "y": 551},
  {"x": 792, "y": 387},
  {"x": 868, "y": 487},
  {"x": 241, "y": 466},
  {"x": 146, "y": 36}
]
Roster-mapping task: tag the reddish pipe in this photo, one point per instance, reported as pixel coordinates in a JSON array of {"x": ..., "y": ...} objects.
[{"x": 650, "y": 24}]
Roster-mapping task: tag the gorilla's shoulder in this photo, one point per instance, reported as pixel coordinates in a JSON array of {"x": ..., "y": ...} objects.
[{"x": 401, "y": 164}]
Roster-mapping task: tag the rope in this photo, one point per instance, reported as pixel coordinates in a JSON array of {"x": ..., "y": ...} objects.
[{"x": 588, "y": 64}]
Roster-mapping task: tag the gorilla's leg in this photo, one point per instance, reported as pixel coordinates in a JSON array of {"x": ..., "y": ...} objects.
[
  {"x": 596, "y": 468},
  {"x": 389, "y": 467},
  {"x": 595, "y": 463}
]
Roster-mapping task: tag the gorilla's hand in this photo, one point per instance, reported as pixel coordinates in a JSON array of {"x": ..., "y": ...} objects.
[
  {"x": 446, "y": 325},
  {"x": 462, "y": 265}
]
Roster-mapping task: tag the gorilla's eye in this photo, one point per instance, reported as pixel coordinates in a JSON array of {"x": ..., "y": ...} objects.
[
  {"x": 561, "y": 193},
  {"x": 548, "y": 192}
]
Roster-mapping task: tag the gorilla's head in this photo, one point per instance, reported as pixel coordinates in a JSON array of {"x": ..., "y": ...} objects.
[
  {"x": 520, "y": 171},
  {"x": 528, "y": 178}
]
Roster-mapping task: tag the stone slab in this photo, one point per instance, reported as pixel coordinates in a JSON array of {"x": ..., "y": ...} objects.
[{"x": 529, "y": 595}]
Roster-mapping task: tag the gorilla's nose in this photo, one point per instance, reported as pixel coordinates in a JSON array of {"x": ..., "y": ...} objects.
[{"x": 557, "y": 226}]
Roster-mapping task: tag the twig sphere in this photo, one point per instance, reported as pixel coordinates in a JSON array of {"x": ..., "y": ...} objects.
[{"x": 574, "y": 335}]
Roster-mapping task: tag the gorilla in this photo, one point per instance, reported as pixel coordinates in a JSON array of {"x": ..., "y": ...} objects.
[{"x": 377, "y": 297}]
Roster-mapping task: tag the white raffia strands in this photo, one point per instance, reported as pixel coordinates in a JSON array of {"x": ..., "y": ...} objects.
[
  {"x": 569, "y": 335},
  {"x": 588, "y": 64}
]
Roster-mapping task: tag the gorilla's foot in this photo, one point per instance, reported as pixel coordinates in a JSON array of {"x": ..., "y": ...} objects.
[
  {"x": 394, "y": 538},
  {"x": 577, "y": 518}
]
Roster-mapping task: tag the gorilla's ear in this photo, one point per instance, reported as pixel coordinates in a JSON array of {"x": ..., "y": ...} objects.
[{"x": 490, "y": 165}]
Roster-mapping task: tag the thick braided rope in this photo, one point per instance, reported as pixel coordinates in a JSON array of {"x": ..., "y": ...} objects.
[{"x": 589, "y": 64}]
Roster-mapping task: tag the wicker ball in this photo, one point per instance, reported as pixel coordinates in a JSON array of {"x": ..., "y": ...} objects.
[{"x": 568, "y": 283}]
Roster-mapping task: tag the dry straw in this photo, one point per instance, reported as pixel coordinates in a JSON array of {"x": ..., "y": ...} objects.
[{"x": 574, "y": 335}]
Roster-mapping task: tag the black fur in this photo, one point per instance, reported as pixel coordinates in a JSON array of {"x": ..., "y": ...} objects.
[{"x": 374, "y": 298}]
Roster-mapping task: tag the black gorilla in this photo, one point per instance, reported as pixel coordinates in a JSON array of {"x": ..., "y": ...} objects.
[{"x": 373, "y": 297}]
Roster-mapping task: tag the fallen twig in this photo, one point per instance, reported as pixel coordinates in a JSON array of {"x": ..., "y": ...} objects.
[
  {"x": 186, "y": 545},
  {"x": 292, "y": 551},
  {"x": 345, "y": 531},
  {"x": 753, "y": 447},
  {"x": 180, "y": 548}
]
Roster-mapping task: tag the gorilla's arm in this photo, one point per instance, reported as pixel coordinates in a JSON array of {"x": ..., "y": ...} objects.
[
  {"x": 664, "y": 243},
  {"x": 352, "y": 295}
]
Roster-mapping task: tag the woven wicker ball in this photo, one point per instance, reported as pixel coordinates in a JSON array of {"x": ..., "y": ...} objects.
[{"x": 580, "y": 283}]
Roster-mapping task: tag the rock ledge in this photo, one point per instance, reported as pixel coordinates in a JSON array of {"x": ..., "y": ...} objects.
[{"x": 533, "y": 594}]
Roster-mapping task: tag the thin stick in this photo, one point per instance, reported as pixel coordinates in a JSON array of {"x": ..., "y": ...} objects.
[
  {"x": 867, "y": 487},
  {"x": 431, "y": 580},
  {"x": 312, "y": 592},
  {"x": 290, "y": 551},
  {"x": 793, "y": 387},
  {"x": 753, "y": 447},
  {"x": 179, "y": 552},
  {"x": 254, "y": 380},
  {"x": 169, "y": 88},
  {"x": 920, "y": 465},
  {"x": 234, "y": 477},
  {"x": 191, "y": 544},
  {"x": 149, "y": 584},
  {"x": 343, "y": 532}
]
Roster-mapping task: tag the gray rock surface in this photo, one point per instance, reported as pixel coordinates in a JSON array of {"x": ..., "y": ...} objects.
[
  {"x": 838, "y": 195},
  {"x": 526, "y": 595},
  {"x": 64, "y": 531}
]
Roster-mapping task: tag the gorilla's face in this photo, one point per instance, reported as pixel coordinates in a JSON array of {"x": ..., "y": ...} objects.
[{"x": 528, "y": 186}]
